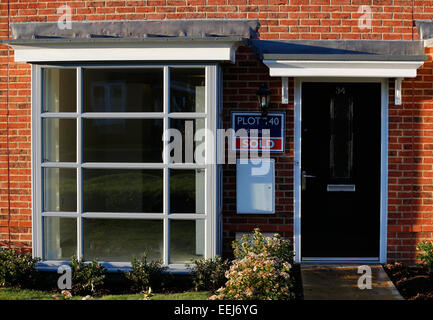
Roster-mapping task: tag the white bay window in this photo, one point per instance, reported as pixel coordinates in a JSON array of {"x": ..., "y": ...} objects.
[{"x": 105, "y": 184}]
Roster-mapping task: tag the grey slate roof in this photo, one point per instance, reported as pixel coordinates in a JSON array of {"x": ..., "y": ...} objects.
[
  {"x": 344, "y": 50},
  {"x": 136, "y": 29}
]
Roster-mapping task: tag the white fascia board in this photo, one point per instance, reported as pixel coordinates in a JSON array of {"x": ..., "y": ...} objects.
[
  {"x": 380, "y": 69},
  {"x": 167, "y": 51}
]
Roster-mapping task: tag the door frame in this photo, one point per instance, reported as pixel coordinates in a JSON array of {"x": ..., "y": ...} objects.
[{"x": 383, "y": 171}]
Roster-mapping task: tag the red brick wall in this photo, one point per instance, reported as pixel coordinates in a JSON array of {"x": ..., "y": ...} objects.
[
  {"x": 410, "y": 193},
  {"x": 15, "y": 146},
  {"x": 411, "y": 125},
  {"x": 284, "y": 19},
  {"x": 241, "y": 82}
]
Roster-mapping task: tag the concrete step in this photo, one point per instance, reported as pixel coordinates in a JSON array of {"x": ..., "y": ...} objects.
[{"x": 340, "y": 282}]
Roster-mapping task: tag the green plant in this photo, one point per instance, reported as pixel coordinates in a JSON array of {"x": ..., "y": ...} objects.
[
  {"x": 87, "y": 277},
  {"x": 209, "y": 274},
  {"x": 426, "y": 255},
  {"x": 261, "y": 270},
  {"x": 257, "y": 243},
  {"x": 17, "y": 269},
  {"x": 144, "y": 274}
]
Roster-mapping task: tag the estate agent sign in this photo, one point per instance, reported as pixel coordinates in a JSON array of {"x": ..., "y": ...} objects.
[{"x": 249, "y": 121}]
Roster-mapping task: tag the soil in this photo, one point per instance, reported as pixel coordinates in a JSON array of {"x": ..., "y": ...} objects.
[
  {"x": 413, "y": 283},
  {"x": 297, "y": 282},
  {"x": 115, "y": 283}
]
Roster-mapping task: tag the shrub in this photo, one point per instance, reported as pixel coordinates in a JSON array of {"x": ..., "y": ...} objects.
[
  {"x": 426, "y": 255},
  {"x": 87, "y": 277},
  {"x": 258, "y": 243},
  {"x": 17, "y": 269},
  {"x": 145, "y": 275},
  {"x": 261, "y": 270},
  {"x": 209, "y": 274}
]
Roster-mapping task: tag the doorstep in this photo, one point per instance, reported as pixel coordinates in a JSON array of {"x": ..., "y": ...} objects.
[{"x": 340, "y": 282}]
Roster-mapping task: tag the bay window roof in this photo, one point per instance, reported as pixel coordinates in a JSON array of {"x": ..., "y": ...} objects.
[{"x": 180, "y": 40}]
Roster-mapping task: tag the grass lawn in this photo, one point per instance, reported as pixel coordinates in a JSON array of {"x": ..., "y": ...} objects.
[
  {"x": 172, "y": 296},
  {"x": 21, "y": 294},
  {"x": 14, "y": 294}
]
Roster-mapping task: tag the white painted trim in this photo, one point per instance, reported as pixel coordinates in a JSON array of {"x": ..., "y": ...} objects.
[
  {"x": 134, "y": 51},
  {"x": 384, "y": 173},
  {"x": 365, "y": 69},
  {"x": 35, "y": 156},
  {"x": 297, "y": 169},
  {"x": 79, "y": 144},
  {"x": 383, "y": 178},
  {"x": 166, "y": 171},
  {"x": 211, "y": 168},
  {"x": 219, "y": 170}
]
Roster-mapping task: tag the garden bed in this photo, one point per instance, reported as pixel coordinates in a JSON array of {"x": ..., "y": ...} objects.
[
  {"x": 180, "y": 288},
  {"x": 115, "y": 287},
  {"x": 263, "y": 269},
  {"x": 413, "y": 283}
]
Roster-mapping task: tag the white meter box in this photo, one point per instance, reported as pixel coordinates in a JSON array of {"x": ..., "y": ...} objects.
[{"x": 255, "y": 186}]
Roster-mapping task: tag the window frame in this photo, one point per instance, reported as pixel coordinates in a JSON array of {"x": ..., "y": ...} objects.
[{"x": 212, "y": 106}]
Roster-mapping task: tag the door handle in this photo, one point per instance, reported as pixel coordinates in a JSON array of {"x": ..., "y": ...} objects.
[
  {"x": 304, "y": 180},
  {"x": 309, "y": 176}
]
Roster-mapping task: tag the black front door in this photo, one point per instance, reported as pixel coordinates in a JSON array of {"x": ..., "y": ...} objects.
[{"x": 340, "y": 171}]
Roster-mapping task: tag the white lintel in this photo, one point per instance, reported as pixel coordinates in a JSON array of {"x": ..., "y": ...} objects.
[
  {"x": 379, "y": 69},
  {"x": 131, "y": 51}
]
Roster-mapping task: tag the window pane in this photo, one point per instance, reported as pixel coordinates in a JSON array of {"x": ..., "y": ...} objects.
[
  {"x": 341, "y": 142},
  {"x": 187, "y": 90},
  {"x": 60, "y": 189},
  {"x": 187, "y": 191},
  {"x": 119, "y": 240},
  {"x": 187, "y": 240},
  {"x": 183, "y": 145},
  {"x": 60, "y": 238},
  {"x": 60, "y": 136},
  {"x": 59, "y": 92},
  {"x": 122, "y": 140},
  {"x": 107, "y": 190},
  {"x": 123, "y": 90}
]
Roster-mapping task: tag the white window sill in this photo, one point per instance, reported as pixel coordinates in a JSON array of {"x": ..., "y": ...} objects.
[{"x": 110, "y": 266}]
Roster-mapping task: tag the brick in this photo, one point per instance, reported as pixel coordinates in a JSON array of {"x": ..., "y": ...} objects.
[{"x": 410, "y": 149}]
